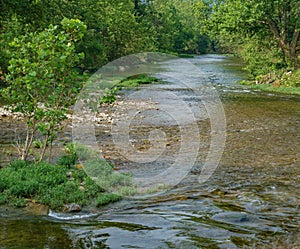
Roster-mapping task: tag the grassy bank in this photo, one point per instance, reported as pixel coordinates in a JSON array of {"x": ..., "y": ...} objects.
[
  {"x": 49, "y": 184},
  {"x": 63, "y": 183},
  {"x": 276, "y": 89},
  {"x": 278, "y": 82}
]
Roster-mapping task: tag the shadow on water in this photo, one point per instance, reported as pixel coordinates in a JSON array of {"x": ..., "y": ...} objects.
[{"x": 251, "y": 201}]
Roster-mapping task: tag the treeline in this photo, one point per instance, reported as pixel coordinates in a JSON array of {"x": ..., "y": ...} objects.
[
  {"x": 114, "y": 27},
  {"x": 266, "y": 33}
]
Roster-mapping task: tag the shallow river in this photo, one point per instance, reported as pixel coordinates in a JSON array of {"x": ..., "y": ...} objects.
[{"x": 251, "y": 200}]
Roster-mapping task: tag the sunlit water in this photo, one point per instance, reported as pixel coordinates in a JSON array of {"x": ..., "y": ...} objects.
[{"x": 252, "y": 199}]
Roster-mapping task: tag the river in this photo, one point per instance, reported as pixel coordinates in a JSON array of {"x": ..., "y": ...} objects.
[{"x": 250, "y": 201}]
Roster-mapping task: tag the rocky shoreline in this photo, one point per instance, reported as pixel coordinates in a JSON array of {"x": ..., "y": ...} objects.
[{"x": 13, "y": 127}]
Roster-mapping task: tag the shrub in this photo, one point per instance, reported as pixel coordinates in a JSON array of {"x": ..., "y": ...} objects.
[
  {"x": 18, "y": 164},
  {"x": 291, "y": 79},
  {"x": 56, "y": 185},
  {"x": 67, "y": 160},
  {"x": 41, "y": 81},
  {"x": 106, "y": 199}
]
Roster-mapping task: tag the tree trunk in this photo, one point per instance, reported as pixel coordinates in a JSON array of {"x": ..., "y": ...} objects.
[
  {"x": 30, "y": 133},
  {"x": 294, "y": 49},
  {"x": 289, "y": 49}
]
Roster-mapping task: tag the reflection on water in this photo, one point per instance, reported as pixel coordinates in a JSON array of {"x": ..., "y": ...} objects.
[{"x": 252, "y": 200}]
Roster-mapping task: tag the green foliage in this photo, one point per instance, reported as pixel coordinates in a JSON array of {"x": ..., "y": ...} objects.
[
  {"x": 102, "y": 172},
  {"x": 12, "y": 28},
  {"x": 18, "y": 202},
  {"x": 136, "y": 80},
  {"x": 265, "y": 33},
  {"x": 41, "y": 68},
  {"x": 67, "y": 160},
  {"x": 65, "y": 182},
  {"x": 186, "y": 56},
  {"x": 175, "y": 25},
  {"x": 18, "y": 164},
  {"x": 112, "y": 31},
  {"x": 83, "y": 152},
  {"x": 286, "y": 82},
  {"x": 37, "y": 143},
  {"x": 114, "y": 28},
  {"x": 49, "y": 184},
  {"x": 70, "y": 158},
  {"x": 21, "y": 180},
  {"x": 276, "y": 89},
  {"x": 291, "y": 79},
  {"x": 3, "y": 198},
  {"x": 106, "y": 199},
  {"x": 109, "y": 96},
  {"x": 262, "y": 57}
]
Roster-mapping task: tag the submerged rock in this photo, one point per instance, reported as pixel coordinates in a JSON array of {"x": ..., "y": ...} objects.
[{"x": 233, "y": 217}]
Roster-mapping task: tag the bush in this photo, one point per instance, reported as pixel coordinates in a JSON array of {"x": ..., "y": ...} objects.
[
  {"x": 18, "y": 164},
  {"x": 291, "y": 79},
  {"x": 109, "y": 96},
  {"x": 3, "y": 198},
  {"x": 43, "y": 182},
  {"x": 67, "y": 160},
  {"x": 106, "y": 199},
  {"x": 38, "y": 59},
  {"x": 57, "y": 185}
]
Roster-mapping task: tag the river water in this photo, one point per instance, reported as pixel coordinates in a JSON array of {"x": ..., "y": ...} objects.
[{"x": 250, "y": 201}]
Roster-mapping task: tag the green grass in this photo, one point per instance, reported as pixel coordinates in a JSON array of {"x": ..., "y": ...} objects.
[
  {"x": 107, "y": 198},
  {"x": 136, "y": 80},
  {"x": 53, "y": 185},
  {"x": 276, "y": 89},
  {"x": 279, "y": 82}
]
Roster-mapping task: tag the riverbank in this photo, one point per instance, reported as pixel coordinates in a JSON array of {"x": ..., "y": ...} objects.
[
  {"x": 66, "y": 186},
  {"x": 60, "y": 186},
  {"x": 285, "y": 83},
  {"x": 275, "y": 89}
]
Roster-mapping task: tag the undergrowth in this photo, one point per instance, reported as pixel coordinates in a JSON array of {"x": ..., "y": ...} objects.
[
  {"x": 281, "y": 82},
  {"x": 57, "y": 184}
]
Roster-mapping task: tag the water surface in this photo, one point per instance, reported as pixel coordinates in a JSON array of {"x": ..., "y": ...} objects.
[{"x": 251, "y": 200}]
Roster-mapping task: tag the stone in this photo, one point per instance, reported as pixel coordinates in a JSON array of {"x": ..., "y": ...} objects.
[
  {"x": 37, "y": 208},
  {"x": 71, "y": 208}
]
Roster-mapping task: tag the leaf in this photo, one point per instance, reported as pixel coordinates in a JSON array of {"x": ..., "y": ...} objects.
[{"x": 32, "y": 74}]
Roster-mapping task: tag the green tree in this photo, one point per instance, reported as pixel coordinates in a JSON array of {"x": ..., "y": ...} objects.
[
  {"x": 41, "y": 81},
  {"x": 192, "y": 15},
  {"x": 271, "y": 25},
  {"x": 114, "y": 28},
  {"x": 175, "y": 25}
]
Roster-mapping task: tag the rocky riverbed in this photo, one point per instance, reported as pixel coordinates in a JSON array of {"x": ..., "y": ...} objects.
[{"x": 13, "y": 126}]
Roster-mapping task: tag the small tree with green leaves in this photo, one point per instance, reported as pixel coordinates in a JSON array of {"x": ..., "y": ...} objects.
[{"x": 42, "y": 80}]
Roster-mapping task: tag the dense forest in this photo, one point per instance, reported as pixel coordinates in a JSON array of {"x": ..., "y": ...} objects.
[
  {"x": 113, "y": 28},
  {"x": 264, "y": 33}
]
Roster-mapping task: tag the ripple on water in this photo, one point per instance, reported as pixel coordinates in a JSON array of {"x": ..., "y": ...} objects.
[{"x": 251, "y": 201}]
